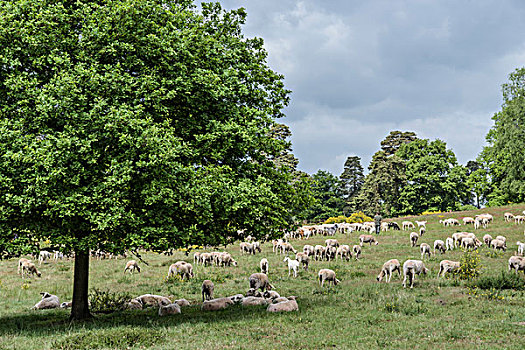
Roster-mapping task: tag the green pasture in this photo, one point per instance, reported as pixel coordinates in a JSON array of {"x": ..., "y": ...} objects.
[{"x": 359, "y": 313}]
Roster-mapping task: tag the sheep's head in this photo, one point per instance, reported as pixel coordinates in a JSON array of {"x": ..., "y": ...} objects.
[
  {"x": 336, "y": 282},
  {"x": 380, "y": 276},
  {"x": 425, "y": 270},
  {"x": 237, "y": 298},
  {"x": 234, "y": 263}
]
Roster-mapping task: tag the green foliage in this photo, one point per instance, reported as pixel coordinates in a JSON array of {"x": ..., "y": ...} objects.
[
  {"x": 470, "y": 265},
  {"x": 351, "y": 181},
  {"x": 106, "y": 301},
  {"x": 327, "y": 200},
  {"x": 434, "y": 179},
  {"x": 505, "y": 280},
  {"x": 123, "y": 338},
  {"x": 467, "y": 207}
]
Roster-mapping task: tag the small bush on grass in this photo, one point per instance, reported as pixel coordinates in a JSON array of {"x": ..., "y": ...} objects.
[
  {"x": 104, "y": 301},
  {"x": 470, "y": 265},
  {"x": 505, "y": 280}
]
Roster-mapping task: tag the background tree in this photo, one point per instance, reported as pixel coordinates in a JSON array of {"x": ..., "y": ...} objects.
[
  {"x": 434, "y": 179},
  {"x": 135, "y": 124},
  {"x": 391, "y": 144},
  {"x": 351, "y": 180},
  {"x": 327, "y": 199},
  {"x": 504, "y": 154}
]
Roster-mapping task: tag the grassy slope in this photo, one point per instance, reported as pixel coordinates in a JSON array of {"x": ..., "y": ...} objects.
[{"x": 359, "y": 313}]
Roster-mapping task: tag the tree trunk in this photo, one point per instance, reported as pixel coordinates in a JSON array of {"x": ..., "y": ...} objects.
[{"x": 80, "y": 307}]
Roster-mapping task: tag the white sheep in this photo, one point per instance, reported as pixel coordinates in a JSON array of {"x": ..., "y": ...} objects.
[
  {"x": 447, "y": 266},
  {"x": 357, "y": 251},
  {"x": 344, "y": 252},
  {"x": 304, "y": 259},
  {"x": 207, "y": 290},
  {"x": 439, "y": 245},
  {"x": 327, "y": 275},
  {"x": 292, "y": 265},
  {"x": 29, "y": 268},
  {"x": 411, "y": 268},
  {"x": 449, "y": 242},
  {"x": 421, "y": 224},
  {"x": 171, "y": 309},
  {"x": 413, "y": 238},
  {"x": 283, "y": 306},
  {"x": 151, "y": 300},
  {"x": 132, "y": 266},
  {"x": 498, "y": 244},
  {"x": 424, "y": 248},
  {"x": 517, "y": 263},
  {"x": 388, "y": 269},
  {"x": 407, "y": 225},
  {"x": 319, "y": 252},
  {"x": 309, "y": 250},
  {"x": 508, "y": 217},
  {"x": 367, "y": 239},
  {"x": 263, "y": 264},
  {"x": 182, "y": 268},
  {"x": 43, "y": 255},
  {"x": 216, "y": 304},
  {"x": 254, "y": 301},
  {"x": 521, "y": 247},
  {"x": 225, "y": 259},
  {"x": 468, "y": 220},
  {"x": 49, "y": 301},
  {"x": 197, "y": 258},
  {"x": 422, "y": 231},
  {"x": 21, "y": 261},
  {"x": 487, "y": 239}
]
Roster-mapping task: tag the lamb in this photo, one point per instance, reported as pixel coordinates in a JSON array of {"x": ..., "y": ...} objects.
[
  {"x": 487, "y": 239},
  {"x": 216, "y": 304},
  {"x": 181, "y": 268},
  {"x": 388, "y": 269},
  {"x": 303, "y": 259},
  {"x": 171, "y": 309},
  {"x": 20, "y": 263},
  {"x": 449, "y": 242},
  {"x": 519, "y": 219},
  {"x": 252, "y": 292},
  {"x": 357, "y": 251},
  {"x": 292, "y": 265},
  {"x": 517, "y": 263},
  {"x": 277, "y": 245},
  {"x": 29, "y": 268},
  {"x": 264, "y": 266},
  {"x": 521, "y": 248},
  {"x": 327, "y": 275},
  {"x": 424, "y": 248},
  {"x": 447, "y": 266},
  {"x": 439, "y": 245},
  {"x": 132, "y": 266},
  {"x": 421, "y": 223},
  {"x": 367, "y": 239},
  {"x": 43, "y": 255},
  {"x": 411, "y": 268},
  {"x": 207, "y": 290},
  {"x": 508, "y": 217},
  {"x": 468, "y": 243},
  {"x": 498, "y": 244},
  {"x": 283, "y": 306},
  {"x": 260, "y": 281},
  {"x": 413, "y": 238},
  {"x": 407, "y": 225},
  {"x": 49, "y": 301}
]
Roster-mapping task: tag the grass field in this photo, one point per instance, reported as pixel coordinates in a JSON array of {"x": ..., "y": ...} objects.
[{"x": 359, "y": 313}]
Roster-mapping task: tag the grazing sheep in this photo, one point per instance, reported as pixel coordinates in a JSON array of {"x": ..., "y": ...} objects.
[
  {"x": 206, "y": 259},
  {"x": 197, "y": 258},
  {"x": 327, "y": 275},
  {"x": 357, "y": 251},
  {"x": 422, "y": 231},
  {"x": 29, "y": 268},
  {"x": 411, "y": 268},
  {"x": 304, "y": 259},
  {"x": 225, "y": 259},
  {"x": 171, "y": 309},
  {"x": 449, "y": 242},
  {"x": 319, "y": 252},
  {"x": 216, "y": 304},
  {"x": 331, "y": 242},
  {"x": 521, "y": 247},
  {"x": 207, "y": 290},
  {"x": 388, "y": 269},
  {"x": 276, "y": 245},
  {"x": 292, "y": 265},
  {"x": 49, "y": 301},
  {"x": 264, "y": 266},
  {"x": 260, "y": 281},
  {"x": 413, "y": 238},
  {"x": 283, "y": 306},
  {"x": 394, "y": 225},
  {"x": 344, "y": 252},
  {"x": 439, "y": 245},
  {"x": 57, "y": 255},
  {"x": 502, "y": 238},
  {"x": 151, "y": 300},
  {"x": 468, "y": 243},
  {"x": 447, "y": 266},
  {"x": 424, "y": 248},
  {"x": 498, "y": 244},
  {"x": 20, "y": 263},
  {"x": 367, "y": 239},
  {"x": 519, "y": 219},
  {"x": 384, "y": 226},
  {"x": 468, "y": 220},
  {"x": 246, "y": 247},
  {"x": 330, "y": 253},
  {"x": 517, "y": 263},
  {"x": 182, "y": 268},
  {"x": 287, "y": 247},
  {"x": 487, "y": 239},
  {"x": 407, "y": 225},
  {"x": 132, "y": 266},
  {"x": 309, "y": 250}
]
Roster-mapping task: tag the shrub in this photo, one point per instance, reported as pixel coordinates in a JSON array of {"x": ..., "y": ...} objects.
[
  {"x": 358, "y": 217},
  {"x": 505, "y": 280},
  {"x": 335, "y": 220},
  {"x": 470, "y": 265},
  {"x": 104, "y": 301},
  {"x": 467, "y": 207},
  {"x": 430, "y": 212}
]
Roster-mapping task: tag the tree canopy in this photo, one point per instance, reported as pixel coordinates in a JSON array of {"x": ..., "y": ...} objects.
[{"x": 135, "y": 124}]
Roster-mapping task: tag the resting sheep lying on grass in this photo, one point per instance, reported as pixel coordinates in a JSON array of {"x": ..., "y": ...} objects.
[
  {"x": 411, "y": 268},
  {"x": 49, "y": 301},
  {"x": 216, "y": 304},
  {"x": 151, "y": 300},
  {"x": 283, "y": 306},
  {"x": 327, "y": 275},
  {"x": 388, "y": 269},
  {"x": 171, "y": 309}
]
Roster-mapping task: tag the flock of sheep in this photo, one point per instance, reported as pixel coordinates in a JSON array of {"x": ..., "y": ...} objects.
[{"x": 261, "y": 292}]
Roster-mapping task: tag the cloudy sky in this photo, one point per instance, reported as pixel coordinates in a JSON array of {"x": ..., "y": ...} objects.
[{"x": 359, "y": 69}]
